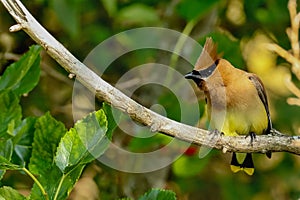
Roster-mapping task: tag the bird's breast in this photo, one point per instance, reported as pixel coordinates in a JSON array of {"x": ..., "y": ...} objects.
[{"x": 236, "y": 110}]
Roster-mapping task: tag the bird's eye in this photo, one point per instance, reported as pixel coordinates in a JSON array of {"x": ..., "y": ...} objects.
[{"x": 195, "y": 72}]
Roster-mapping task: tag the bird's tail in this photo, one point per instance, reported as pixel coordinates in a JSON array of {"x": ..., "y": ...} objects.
[{"x": 244, "y": 163}]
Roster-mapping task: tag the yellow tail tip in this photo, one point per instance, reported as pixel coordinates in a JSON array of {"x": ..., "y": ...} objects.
[
  {"x": 236, "y": 169},
  {"x": 249, "y": 171}
]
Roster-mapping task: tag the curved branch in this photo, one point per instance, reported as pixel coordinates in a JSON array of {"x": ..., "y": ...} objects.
[{"x": 274, "y": 143}]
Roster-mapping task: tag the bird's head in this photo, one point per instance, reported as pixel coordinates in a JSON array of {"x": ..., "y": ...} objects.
[{"x": 206, "y": 63}]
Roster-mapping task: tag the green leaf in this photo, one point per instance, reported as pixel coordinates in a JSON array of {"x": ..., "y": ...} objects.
[
  {"x": 5, "y": 164},
  {"x": 159, "y": 194},
  {"x": 6, "y": 149},
  {"x": 70, "y": 150},
  {"x": 57, "y": 184},
  {"x": 68, "y": 14},
  {"x": 146, "y": 144},
  {"x": 112, "y": 119},
  {"x": 83, "y": 143},
  {"x": 49, "y": 182},
  {"x": 110, "y": 6},
  {"x": 72, "y": 154},
  {"x": 48, "y": 132},
  {"x": 22, "y": 140},
  {"x": 171, "y": 105},
  {"x": 187, "y": 166},
  {"x": 7, "y": 193},
  {"x": 10, "y": 114},
  {"x": 22, "y": 76},
  {"x": 137, "y": 14},
  {"x": 193, "y": 9},
  {"x": 47, "y": 135},
  {"x": 68, "y": 181}
]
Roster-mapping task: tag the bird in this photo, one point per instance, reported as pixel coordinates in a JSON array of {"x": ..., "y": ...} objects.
[{"x": 236, "y": 101}]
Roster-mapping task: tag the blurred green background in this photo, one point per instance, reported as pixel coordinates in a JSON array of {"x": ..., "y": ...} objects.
[{"x": 241, "y": 28}]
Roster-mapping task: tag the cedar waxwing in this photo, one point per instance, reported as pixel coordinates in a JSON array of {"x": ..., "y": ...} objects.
[{"x": 236, "y": 101}]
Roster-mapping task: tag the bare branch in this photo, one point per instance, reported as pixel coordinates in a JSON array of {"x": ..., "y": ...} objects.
[
  {"x": 292, "y": 5},
  {"x": 294, "y": 57},
  {"x": 274, "y": 143},
  {"x": 292, "y": 87},
  {"x": 283, "y": 53}
]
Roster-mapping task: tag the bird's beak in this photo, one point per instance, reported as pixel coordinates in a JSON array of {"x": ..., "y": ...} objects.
[{"x": 194, "y": 75}]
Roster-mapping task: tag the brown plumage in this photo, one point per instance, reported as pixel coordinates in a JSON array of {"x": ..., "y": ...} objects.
[
  {"x": 236, "y": 100},
  {"x": 208, "y": 55}
]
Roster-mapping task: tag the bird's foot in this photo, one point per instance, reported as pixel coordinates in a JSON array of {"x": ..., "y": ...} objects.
[
  {"x": 252, "y": 137},
  {"x": 216, "y": 132},
  {"x": 274, "y": 132}
]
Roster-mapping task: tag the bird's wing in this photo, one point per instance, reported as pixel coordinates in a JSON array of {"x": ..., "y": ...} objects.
[{"x": 263, "y": 97}]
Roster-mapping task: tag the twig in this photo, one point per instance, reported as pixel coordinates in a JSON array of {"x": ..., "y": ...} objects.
[
  {"x": 292, "y": 5},
  {"x": 293, "y": 88},
  {"x": 294, "y": 35},
  {"x": 9, "y": 56},
  {"x": 293, "y": 101},
  {"x": 49, "y": 70},
  {"x": 156, "y": 122},
  {"x": 283, "y": 53},
  {"x": 294, "y": 57},
  {"x": 36, "y": 182},
  {"x": 296, "y": 91}
]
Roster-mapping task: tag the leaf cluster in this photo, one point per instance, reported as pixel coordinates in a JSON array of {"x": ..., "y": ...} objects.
[{"x": 42, "y": 147}]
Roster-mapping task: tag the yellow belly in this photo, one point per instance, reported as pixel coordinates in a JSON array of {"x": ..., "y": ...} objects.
[{"x": 236, "y": 121}]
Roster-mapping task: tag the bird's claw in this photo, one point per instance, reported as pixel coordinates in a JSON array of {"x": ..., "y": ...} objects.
[
  {"x": 216, "y": 132},
  {"x": 252, "y": 137},
  {"x": 274, "y": 132}
]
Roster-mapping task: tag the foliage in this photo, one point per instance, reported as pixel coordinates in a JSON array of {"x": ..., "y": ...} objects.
[
  {"x": 56, "y": 156},
  {"x": 159, "y": 195}
]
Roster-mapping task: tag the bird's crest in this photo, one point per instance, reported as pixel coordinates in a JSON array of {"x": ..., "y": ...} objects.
[{"x": 208, "y": 55}]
